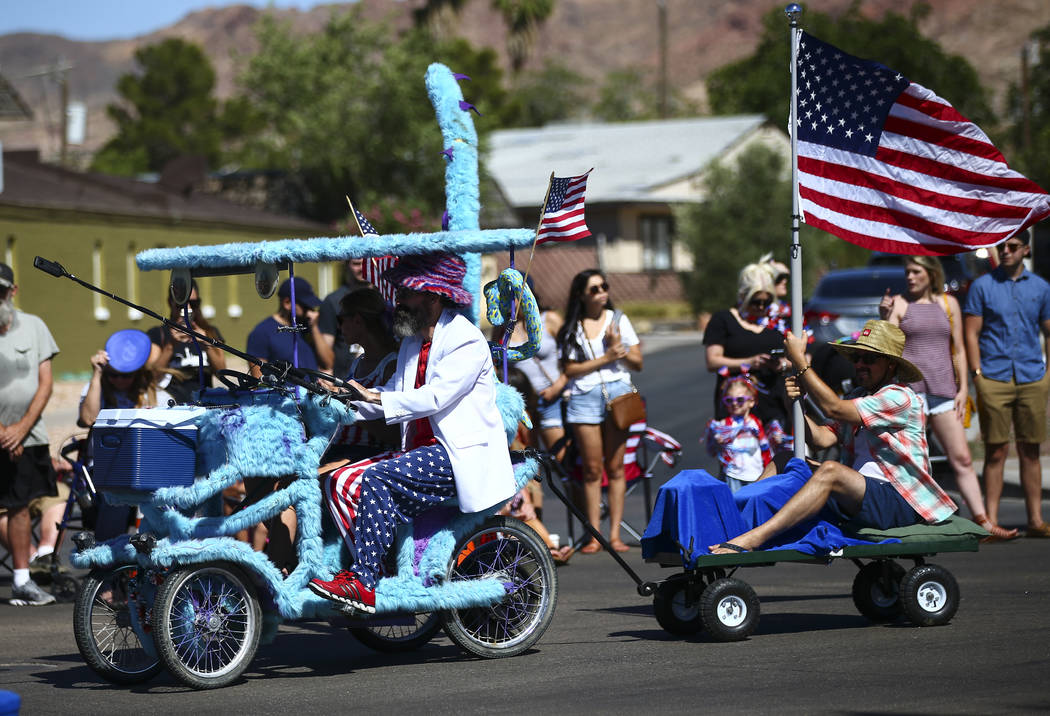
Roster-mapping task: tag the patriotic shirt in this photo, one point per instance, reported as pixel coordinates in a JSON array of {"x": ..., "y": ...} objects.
[
  {"x": 743, "y": 446},
  {"x": 893, "y": 425}
]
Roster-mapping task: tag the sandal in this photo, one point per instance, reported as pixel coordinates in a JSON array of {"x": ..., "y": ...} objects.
[
  {"x": 561, "y": 555},
  {"x": 1040, "y": 532},
  {"x": 591, "y": 547},
  {"x": 995, "y": 532},
  {"x": 619, "y": 545}
]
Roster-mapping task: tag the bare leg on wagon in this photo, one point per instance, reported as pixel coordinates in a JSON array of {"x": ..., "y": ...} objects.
[{"x": 831, "y": 478}]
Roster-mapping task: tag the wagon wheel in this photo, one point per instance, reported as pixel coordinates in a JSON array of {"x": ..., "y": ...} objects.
[
  {"x": 729, "y": 609},
  {"x": 876, "y": 590},
  {"x": 930, "y": 595},
  {"x": 677, "y": 608}
]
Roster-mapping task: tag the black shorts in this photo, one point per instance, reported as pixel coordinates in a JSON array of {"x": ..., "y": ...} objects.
[{"x": 26, "y": 478}]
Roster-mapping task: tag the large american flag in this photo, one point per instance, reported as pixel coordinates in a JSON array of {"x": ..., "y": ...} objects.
[
  {"x": 562, "y": 218},
  {"x": 887, "y": 164},
  {"x": 374, "y": 267}
]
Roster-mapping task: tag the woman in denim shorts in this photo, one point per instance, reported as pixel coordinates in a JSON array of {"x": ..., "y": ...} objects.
[{"x": 597, "y": 357}]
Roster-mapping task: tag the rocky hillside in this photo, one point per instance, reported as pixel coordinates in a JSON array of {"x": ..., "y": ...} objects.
[{"x": 592, "y": 36}]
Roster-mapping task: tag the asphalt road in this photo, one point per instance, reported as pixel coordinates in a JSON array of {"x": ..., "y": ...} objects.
[{"x": 605, "y": 652}]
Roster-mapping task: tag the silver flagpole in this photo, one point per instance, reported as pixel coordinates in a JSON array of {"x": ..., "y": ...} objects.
[{"x": 794, "y": 11}]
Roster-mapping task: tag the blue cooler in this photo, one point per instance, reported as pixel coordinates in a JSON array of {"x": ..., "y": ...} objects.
[{"x": 142, "y": 449}]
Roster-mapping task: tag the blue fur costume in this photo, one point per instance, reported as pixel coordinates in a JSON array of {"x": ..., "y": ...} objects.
[{"x": 265, "y": 434}]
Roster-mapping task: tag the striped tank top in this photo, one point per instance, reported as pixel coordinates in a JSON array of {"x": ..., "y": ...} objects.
[{"x": 927, "y": 334}]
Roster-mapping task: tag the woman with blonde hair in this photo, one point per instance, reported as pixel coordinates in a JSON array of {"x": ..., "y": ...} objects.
[
  {"x": 736, "y": 341},
  {"x": 932, "y": 325}
]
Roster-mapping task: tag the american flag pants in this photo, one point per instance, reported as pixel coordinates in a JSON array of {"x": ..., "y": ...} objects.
[{"x": 370, "y": 498}]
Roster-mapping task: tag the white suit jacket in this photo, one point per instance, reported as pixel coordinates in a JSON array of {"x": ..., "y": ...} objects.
[{"x": 459, "y": 397}]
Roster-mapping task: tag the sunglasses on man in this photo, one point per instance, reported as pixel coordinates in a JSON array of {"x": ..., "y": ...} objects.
[{"x": 862, "y": 357}]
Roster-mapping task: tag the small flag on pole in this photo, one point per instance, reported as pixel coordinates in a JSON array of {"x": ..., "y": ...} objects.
[
  {"x": 887, "y": 164},
  {"x": 373, "y": 268},
  {"x": 563, "y": 218}
]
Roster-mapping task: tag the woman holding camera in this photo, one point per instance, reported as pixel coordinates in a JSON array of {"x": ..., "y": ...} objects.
[{"x": 736, "y": 342}]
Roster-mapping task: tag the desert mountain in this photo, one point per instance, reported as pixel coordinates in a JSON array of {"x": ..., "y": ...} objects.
[{"x": 592, "y": 36}]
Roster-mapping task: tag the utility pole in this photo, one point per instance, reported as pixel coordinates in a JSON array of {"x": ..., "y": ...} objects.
[
  {"x": 661, "y": 10},
  {"x": 60, "y": 73}
]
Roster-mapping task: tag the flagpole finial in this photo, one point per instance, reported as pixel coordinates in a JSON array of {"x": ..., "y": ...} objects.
[{"x": 793, "y": 11}]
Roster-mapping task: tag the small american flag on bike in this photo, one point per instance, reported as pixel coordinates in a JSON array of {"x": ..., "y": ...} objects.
[
  {"x": 373, "y": 268},
  {"x": 562, "y": 218}
]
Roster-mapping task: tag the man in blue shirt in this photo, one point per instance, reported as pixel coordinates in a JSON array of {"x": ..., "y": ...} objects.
[
  {"x": 1004, "y": 314},
  {"x": 271, "y": 339}
]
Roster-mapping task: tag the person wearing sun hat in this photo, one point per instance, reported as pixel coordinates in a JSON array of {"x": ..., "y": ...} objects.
[
  {"x": 883, "y": 480},
  {"x": 120, "y": 378},
  {"x": 453, "y": 444}
]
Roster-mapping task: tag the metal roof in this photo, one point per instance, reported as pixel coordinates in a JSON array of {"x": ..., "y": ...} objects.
[{"x": 631, "y": 160}]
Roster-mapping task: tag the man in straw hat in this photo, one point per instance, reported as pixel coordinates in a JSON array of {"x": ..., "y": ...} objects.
[
  {"x": 452, "y": 437},
  {"x": 884, "y": 479}
]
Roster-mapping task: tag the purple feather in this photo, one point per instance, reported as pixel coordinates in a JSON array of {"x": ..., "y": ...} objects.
[
  {"x": 444, "y": 221},
  {"x": 449, "y": 152},
  {"x": 467, "y": 106},
  {"x": 460, "y": 76}
]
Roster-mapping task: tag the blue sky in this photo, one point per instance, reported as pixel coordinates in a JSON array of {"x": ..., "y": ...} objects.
[{"x": 109, "y": 19}]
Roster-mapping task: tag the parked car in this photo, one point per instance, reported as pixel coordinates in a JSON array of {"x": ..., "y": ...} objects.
[
  {"x": 845, "y": 299},
  {"x": 960, "y": 270}
]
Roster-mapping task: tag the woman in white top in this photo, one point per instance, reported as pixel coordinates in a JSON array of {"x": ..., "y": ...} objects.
[{"x": 597, "y": 357}]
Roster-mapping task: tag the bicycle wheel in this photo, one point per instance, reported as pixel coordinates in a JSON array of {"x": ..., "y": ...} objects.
[
  {"x": 506, "y": 548},
  {"x": 102, "y": 626},
  {"x": 393, "y": 638},
  {"x": 207, "y": 624}
]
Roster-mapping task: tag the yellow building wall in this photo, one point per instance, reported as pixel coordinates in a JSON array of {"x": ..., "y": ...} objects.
[{"x": 102, "y": 252}]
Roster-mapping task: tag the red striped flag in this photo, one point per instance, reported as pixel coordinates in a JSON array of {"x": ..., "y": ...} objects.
[
  {"x": 887, "y": 164},
  {"x": 373, "y": 268},
  {"x": 562, "y": 218}
]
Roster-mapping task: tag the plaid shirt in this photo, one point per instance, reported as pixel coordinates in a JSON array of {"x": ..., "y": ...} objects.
[{"x": 895, "y": 428}]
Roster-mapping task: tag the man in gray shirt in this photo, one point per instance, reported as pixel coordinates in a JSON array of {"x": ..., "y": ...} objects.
[{"x": 26, "y": 350}]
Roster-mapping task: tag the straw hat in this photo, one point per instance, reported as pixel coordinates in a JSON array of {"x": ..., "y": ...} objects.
[{"x": 886, "y": 339}]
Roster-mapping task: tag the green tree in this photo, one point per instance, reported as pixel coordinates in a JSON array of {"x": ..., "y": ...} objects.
[
  {"x": 167, "y": 110},
  {"x": 746, "y": 212},
  {"x": 551, "y": 94},
  {"x": 345, "y": 111},
  {"x": 760, "y": 84}
]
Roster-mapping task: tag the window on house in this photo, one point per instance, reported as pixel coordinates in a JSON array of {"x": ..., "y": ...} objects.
[{"x": 655, "y": 232}]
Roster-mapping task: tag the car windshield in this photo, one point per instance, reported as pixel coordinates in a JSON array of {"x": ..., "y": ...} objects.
[{"x": 861, "y": 284}]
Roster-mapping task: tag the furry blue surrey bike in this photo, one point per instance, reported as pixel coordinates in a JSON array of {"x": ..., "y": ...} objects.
[{"x": 185, "y": 595}]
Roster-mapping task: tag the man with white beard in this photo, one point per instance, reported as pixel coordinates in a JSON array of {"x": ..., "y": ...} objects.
[{"x": 26, "y": 350}]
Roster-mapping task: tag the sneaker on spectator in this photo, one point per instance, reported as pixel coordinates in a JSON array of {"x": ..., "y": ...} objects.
[
  {"x": 30, "y": 595},
  {"x": 346, "y": 588}
]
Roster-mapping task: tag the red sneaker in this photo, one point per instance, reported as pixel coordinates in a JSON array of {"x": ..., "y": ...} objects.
[{"x": 345, "y": 587}]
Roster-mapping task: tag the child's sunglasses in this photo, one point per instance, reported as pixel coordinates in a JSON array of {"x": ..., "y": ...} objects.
[{"x": 732, "y": 400}]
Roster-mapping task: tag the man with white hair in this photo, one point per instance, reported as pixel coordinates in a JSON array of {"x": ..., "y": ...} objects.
[{"x": 26, "y": 350}]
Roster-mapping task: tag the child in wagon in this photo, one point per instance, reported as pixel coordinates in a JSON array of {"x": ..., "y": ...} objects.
[{"x": 740, "y": 441}]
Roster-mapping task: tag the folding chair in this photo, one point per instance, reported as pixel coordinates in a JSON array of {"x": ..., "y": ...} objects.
[{"x": 646, "y": 448}]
